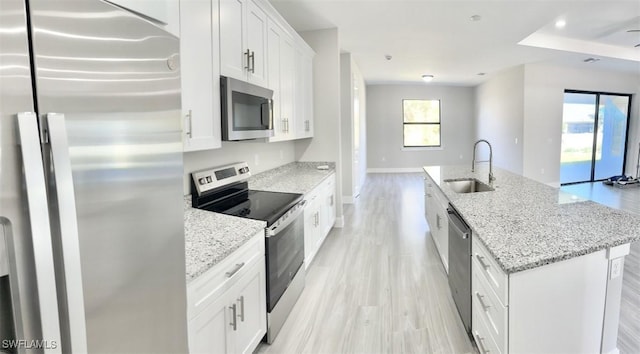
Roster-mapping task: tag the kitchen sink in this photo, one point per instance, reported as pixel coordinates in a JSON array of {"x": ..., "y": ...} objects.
[{"x": 468, "y": 185}]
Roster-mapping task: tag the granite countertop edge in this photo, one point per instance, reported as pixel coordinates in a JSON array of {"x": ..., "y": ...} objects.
[
  {"x": 211, "y": 237},
  {"x": 506, "y": 224}
]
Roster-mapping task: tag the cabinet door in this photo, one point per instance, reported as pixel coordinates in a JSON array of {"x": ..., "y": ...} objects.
[
  {"x": 303, "y": 94},
  {"x": 311, "y": 216},
  {"x": 200, "y": 72},
  {"x": 273, "y": 60},
  {"x": 287, "y": 72},
  {"x": 252, "y": 310},
  {"x": 211, "y": 331},
  {"x": 330, "y": 205},
  {"x": 256, "y": 43},
  {"x": 233, "y": 58}
]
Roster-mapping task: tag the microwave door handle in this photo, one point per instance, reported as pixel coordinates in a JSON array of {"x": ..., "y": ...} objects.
[
  {"x": 268, "y": 115},
  {"x": 38, "y": 210}
]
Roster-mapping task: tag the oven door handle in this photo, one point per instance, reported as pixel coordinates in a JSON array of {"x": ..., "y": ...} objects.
[{"x": 298, "y": 209}]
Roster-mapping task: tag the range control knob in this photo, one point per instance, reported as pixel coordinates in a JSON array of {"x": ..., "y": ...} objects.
[{"x": 202, "y": 180}]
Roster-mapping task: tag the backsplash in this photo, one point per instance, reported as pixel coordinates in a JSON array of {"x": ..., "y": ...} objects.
[{"x": 259, "y": 156}]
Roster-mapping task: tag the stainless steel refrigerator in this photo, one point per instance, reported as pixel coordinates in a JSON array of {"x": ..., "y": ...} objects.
[{"x": 91, "y": 221}]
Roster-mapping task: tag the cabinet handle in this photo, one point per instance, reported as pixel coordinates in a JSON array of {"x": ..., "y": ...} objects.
[
  {"x": 438, "y": 221},
  {"x": 287, "y": 121},
  {"x": 316, "y": 222},
  {"x": 235, "y": 270},
  {"x": 481, "y": 346},
  {"x": 234, "y": 322},
  {"x": 480, "y": 297},
  {"x": 253, "y": 62},
  {"x": 188, "y": 117},
  {"x": 429, "y": 195},
  {"x": 331, "y": 202},
  {"x": 306, "y": 125},
  {"x": 241, "y": 299},
  {"x": 248, "y": 67},
  {"x": 482, "y": 263}
]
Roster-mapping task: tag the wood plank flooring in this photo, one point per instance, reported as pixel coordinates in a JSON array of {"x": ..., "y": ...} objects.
[
  {"x": 377, "y": 285},
  {"x": 629, "y": 200}
]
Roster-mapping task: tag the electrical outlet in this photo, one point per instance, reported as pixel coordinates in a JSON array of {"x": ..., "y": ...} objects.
[
  {"x": 616, "y": 268},
  {"x": 256, "y": 159},
  {"x": 384, "y": 158},
  {"x": 281, "y": 155},
  {"x": 516, "y": 141},
  {"x": 542, "y": 171},
  {"x": 460, "y": 157}
]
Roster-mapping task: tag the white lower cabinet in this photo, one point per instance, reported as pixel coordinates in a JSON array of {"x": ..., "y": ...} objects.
[
  {"x": 555, "y": 308},
  {"x": 436, "y": 214},
  {"x": 227, "y": 304},
  {"x": 319, "y": 216}
]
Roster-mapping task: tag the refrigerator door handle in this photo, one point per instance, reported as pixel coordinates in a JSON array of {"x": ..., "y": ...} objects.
[
  {"x": 68, "y": 222},
  {"x": 29, "y": 141}
]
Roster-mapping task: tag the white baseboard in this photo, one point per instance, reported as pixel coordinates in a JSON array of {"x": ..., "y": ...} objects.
[
  {"x": 395, "y": 170},
  {"x": 347, "y": 199},
  {"x": 339, "y": 222}
]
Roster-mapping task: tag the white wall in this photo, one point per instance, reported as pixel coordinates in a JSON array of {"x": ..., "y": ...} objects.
[
  {"x": 499, "y": 118},
  {"x": 384, "y": 127},
  {"x": 353, "y": 127},
  {"x": 326, "y": 144},
  {"x": 544, "y": 87},
  {"x": 260, "y": 157}
]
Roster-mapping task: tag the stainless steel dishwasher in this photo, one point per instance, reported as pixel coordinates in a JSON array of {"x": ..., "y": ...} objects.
[{"x": 460, "y": 265}]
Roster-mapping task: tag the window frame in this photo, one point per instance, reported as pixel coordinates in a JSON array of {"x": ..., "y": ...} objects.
[{"x": 439, "y": 123}]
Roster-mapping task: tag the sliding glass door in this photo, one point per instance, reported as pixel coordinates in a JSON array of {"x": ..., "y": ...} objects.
[{"x": 594, "y": 136}]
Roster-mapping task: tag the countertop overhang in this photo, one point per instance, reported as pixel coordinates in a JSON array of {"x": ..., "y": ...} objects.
[{"x": 526, "y": 224}]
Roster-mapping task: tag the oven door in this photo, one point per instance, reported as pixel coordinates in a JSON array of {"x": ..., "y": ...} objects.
[{"x": 285, "y": 255}]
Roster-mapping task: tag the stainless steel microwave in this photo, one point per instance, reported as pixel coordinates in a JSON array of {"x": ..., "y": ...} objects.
[{"x": 247, "y": 110}]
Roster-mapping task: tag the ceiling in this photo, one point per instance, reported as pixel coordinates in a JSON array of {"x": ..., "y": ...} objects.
[{"x": 438, "y": 37}]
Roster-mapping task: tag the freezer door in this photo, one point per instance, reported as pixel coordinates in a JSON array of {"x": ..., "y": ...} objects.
[
  {"x": 114, "y": 81},
  {"x": 28, "y": 308}
]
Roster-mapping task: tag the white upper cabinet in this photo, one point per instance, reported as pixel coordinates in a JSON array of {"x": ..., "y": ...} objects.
[
  {"x": 199, "y": 50},
  {"x": 243, "y": 41},
  {"x": 304, "y": 91},
  {"x": 281, "y": 75}
]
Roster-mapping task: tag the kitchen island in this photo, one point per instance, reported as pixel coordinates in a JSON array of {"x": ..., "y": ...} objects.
[{"x": 547, "y": 266}]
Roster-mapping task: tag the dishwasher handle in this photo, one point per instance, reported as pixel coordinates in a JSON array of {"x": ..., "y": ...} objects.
[{"x": 458, "y": 224}]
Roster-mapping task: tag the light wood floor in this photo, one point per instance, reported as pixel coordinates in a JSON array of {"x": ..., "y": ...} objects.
[
  {"x": 629, "y": 200},
  {"x": 377, "y": 285}
]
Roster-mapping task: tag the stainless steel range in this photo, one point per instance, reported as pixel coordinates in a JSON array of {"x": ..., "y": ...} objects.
[{"x": 225, "y": 190}]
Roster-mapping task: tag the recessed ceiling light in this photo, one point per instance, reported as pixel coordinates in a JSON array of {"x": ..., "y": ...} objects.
[
  {"x": 427, "y": 78},
  {"x": 482, "y": 74},
  {"x": 388, "y": 57},
  {"x": 561, "y": 23},
  {"x": 475, "y": 18},
  {"x": 591, "y": 60}
]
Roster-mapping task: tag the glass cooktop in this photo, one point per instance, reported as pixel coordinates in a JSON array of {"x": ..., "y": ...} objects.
[{"x": 257, "y": 205}]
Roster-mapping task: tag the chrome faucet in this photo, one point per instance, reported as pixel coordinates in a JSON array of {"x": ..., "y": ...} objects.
[{"x": 473, "y": 162}]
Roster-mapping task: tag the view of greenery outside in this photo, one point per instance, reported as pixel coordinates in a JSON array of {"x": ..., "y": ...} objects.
[{"x": 421, "y": 123}]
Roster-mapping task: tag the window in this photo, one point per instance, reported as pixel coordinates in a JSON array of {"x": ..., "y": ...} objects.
[{"x": 421, "y": 123}]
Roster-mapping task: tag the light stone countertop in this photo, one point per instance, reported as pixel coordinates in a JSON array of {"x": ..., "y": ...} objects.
[
  {"x": 526, "y": 224},
  {"x": 210, "y": 237},
  {"x": 295, "y": 177}
]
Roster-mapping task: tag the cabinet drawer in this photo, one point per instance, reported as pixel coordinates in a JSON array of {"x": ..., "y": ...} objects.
[
  {"x": 484, "y": 341},
  {"x": 206, "y": 288},
  {"x": 498, "y": 280},
  {"x": 486, "y": 305}
]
